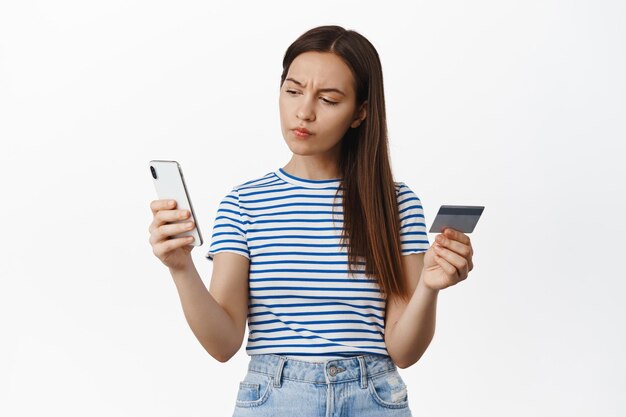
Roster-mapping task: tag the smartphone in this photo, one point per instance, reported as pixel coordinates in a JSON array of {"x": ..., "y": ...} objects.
[
  {"x": 461, "y": 218},
  {"x": 170, "y": 184}
]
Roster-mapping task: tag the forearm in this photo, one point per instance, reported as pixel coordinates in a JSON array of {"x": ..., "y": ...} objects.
[
  {"x": 409, "y": 338},
  {"x": 210, "y": 323}
]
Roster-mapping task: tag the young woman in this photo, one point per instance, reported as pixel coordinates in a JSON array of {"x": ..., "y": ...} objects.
[{"x": 327, "y": 258}]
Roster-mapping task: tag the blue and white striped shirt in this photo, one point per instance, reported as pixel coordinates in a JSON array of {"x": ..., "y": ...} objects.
[{"x": 302, "y": 302}]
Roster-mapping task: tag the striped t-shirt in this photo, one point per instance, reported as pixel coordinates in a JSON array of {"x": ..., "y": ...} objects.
[{"x": 302, "y": 302}]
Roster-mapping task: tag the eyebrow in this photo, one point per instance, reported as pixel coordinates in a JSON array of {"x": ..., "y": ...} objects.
[{"x": 336, "y": 90}]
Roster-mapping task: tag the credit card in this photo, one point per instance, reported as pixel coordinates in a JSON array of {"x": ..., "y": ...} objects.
[{"x": 461, "y": 218}]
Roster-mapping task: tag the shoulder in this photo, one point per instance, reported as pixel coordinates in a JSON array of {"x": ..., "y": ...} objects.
[
  {"x": 255, "y": 183},
  {"x": 408, "y": 200},
  {"x": 402, "y": 189},
  {"x": 237, "y": 193}
]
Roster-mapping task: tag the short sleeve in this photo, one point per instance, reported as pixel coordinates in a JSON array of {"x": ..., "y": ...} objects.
[
  {"x": 413, "y": 233},
  {"x": 229, "y": 229}
]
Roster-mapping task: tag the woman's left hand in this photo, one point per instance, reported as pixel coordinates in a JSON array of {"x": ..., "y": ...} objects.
[{"x": 448, "y": 261}]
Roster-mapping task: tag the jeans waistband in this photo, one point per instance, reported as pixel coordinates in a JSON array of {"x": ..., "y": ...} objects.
[{"x": 327, "y": 372}]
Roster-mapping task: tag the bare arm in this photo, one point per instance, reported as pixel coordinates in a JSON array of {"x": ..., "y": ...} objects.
[
  {"x": 217, "y": 316},
  {"x": 410, "y": 326}
]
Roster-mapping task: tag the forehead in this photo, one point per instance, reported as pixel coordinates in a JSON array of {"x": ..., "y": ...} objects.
[{"x": 322, "y": 70}]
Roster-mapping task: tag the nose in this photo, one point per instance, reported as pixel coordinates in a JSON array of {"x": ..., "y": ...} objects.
[{"x": 305, "y": 111}]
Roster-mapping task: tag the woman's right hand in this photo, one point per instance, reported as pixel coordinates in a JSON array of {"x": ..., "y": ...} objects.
[{"x": 174, "y": 253}]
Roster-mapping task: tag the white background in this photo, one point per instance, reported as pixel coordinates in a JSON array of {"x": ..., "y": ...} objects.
[{"x": 515, "y": 105}]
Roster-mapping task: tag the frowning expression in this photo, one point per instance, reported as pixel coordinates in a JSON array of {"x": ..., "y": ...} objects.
[{"x": 318, "y": 96}]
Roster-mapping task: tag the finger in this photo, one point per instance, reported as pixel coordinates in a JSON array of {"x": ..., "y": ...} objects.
[
  {"x": 168, "y": 216},
  {"x": 454, "y": 245},
  {"x": 449, "y": 269},
  {"x": 162, "y": 249},
  {"x": 164, "y": 204},
  {"x": 164, "y": 217},
  {"x": 453, "y": 258},
  {"x": 456, "y": 235},
  {"x": 457, "y": 261},
  {"x": 165, "y": 231},
  {"x": 169, "y": 245},
  {"x": 168, "y": 230}
]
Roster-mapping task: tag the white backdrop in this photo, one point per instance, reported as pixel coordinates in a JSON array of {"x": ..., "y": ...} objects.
[{"x": 515, "y": 105}]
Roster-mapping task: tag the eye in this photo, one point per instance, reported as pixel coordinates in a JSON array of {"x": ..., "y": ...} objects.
[
  {"x": 331, "y": 103},
  {"x": 291, "y": 92}
]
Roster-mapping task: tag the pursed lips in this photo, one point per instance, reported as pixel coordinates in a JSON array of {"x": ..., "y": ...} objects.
[{"x": 302, "y": 132}]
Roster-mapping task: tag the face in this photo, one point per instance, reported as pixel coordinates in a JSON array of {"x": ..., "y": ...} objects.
[{"x": 318, "y": 95}]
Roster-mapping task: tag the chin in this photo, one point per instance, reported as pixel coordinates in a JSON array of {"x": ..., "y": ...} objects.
[
  {"x": 302, "y": 150},
  {"x": 298, "y": 147}
]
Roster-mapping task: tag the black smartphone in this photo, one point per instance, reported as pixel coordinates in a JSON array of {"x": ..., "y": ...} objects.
[
  {"x": 461, "y": 218},
  {"x": 169, "y": 183}
]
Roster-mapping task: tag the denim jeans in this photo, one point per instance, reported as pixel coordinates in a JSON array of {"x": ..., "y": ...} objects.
[{"x": 361, "y": 386}]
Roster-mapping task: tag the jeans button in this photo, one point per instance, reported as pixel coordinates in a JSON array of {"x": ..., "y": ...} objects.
[{"x": 333, "y": 370}]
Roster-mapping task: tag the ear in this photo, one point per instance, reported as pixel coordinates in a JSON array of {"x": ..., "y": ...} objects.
[{"x": 360, "y": 115}]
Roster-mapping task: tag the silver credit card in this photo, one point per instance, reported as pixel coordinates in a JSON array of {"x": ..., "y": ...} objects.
[{"x": 461, "y": 218}]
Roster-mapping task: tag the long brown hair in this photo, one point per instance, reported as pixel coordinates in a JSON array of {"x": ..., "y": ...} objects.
[{"x": 370, "y": 205}]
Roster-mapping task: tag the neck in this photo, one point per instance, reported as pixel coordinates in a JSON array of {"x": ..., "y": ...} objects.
[{"x": 312, "y": 168}]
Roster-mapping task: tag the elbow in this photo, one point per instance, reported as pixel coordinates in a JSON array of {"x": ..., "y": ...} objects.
[
  {"x": 220, "y": 353},
  {"x": 408, "y": 359},
  {"x": 223, "y": 350},
  {"x": 222, "y": 359},
  {"x": 403, "y": 364},
  {"x": 222, "y": 356},
  {"x": 408, "y": 364},
  {"x": 225, "y": 356},
  {"x": 400, "y": 362}
]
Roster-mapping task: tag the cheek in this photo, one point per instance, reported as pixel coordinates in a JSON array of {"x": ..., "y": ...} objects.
[
  {"x": 281, "y": 112},
  {"x": 339, "y": 122}
]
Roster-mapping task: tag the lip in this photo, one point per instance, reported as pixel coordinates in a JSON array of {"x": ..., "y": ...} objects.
[{"x": 302, "y": 132}]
